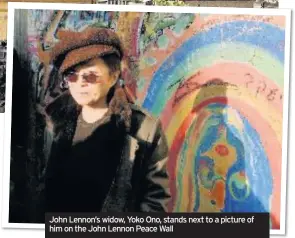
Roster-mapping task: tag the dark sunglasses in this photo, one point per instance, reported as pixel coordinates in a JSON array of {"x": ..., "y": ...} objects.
[{"x": 89, "y": 78}]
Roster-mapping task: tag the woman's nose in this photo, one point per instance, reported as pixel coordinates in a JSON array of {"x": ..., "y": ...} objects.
[{"x": 82, "y": 80}]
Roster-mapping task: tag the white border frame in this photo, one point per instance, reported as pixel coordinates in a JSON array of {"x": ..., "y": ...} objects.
[{"x": 138, "y": 8}]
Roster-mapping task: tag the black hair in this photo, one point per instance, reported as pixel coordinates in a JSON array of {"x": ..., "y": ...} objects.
[
  {"x": 113, "y": 62},
  {"x": 117, "y": 98}
]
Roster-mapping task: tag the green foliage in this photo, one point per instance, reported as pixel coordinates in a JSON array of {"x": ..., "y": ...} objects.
[{"x": 168, "y": 3}]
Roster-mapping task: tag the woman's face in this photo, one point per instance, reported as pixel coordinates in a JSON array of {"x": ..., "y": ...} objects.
[{"x": 90, "y": 83}]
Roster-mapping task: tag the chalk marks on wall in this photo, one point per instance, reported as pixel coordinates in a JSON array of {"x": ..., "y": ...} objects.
[{"x": 216, "y": 82}]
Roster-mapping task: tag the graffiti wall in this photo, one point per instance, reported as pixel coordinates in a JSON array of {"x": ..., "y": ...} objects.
[
  {"x": 217, "y": 85},
  {"x": 216, "y": 82}
]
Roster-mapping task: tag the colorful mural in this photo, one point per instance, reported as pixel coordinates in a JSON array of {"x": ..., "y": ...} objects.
[
  {"x": 216, "y": 82},
  {"x": 219, "y": 94}
]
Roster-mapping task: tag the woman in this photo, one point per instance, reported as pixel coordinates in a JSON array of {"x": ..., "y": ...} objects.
[{"x": 102, "y": 152}]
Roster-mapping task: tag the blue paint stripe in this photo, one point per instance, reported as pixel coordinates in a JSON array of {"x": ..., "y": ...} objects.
[{"x": 262, "y": 35}]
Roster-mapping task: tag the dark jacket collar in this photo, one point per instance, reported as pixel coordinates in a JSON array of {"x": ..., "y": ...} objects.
[
  {"x": 61, "y": 109},
  {"x": 64, "y": 109}
]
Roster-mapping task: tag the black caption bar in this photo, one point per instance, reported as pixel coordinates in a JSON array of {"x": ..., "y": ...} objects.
[{"x": 63, "y": 225}]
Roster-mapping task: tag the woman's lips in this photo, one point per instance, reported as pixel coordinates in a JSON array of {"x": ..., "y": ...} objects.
[{"x": 83, "y": 93}]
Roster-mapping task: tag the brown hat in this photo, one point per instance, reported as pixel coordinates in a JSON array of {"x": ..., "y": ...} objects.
[{"x": 76, "y": 47}]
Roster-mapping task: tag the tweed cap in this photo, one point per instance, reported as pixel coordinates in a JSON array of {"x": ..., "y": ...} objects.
[{"x": 74, "y": 48}]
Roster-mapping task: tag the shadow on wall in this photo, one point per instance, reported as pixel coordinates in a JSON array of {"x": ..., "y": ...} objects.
[
  {"x": 26, "y": 145},
  {"x": 19, "y": 195}
]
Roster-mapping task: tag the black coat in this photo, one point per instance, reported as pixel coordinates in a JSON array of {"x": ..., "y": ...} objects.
[{"x": 141, "y": 183}]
